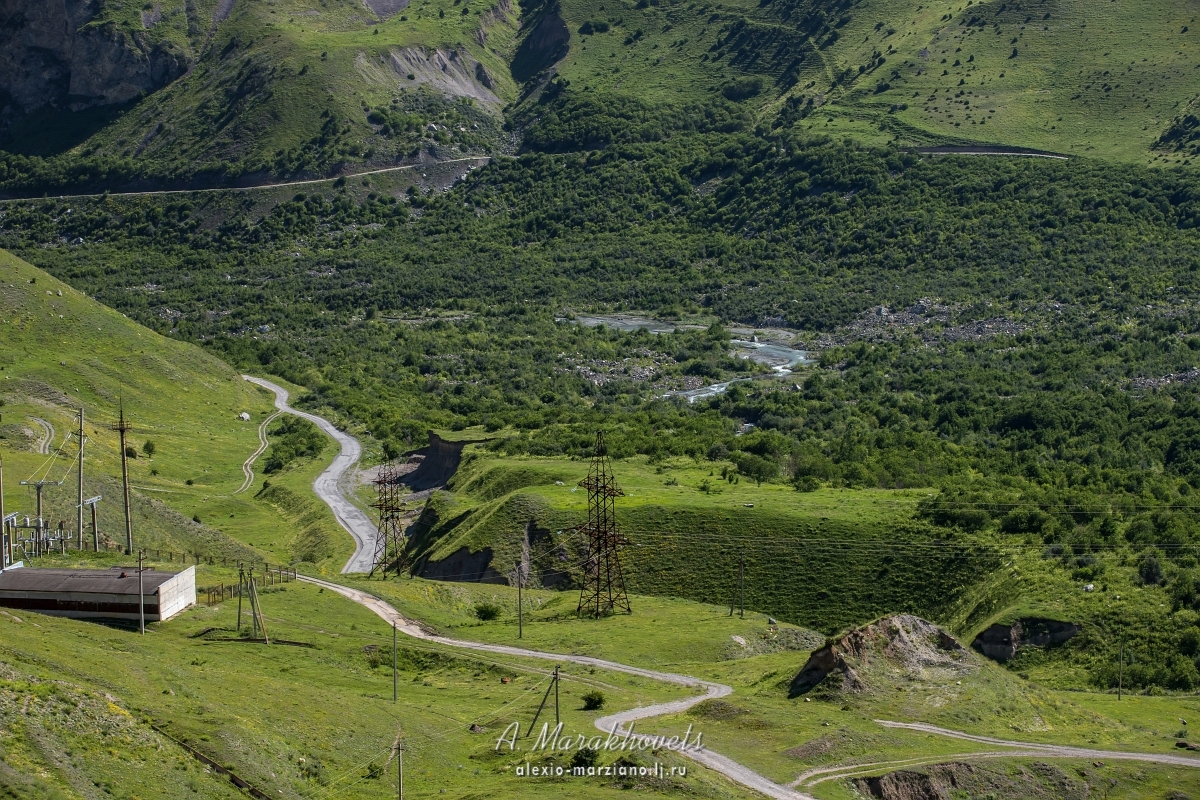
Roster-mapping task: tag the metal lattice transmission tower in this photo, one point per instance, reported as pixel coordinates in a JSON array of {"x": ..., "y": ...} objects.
[
  {"x": 603, "y": 583},
  {"x": 389, "y": 542}
]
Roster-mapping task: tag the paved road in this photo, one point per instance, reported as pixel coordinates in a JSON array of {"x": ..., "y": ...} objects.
[
  {"x": 428, "y": 165},
  {"x": 247, "y": 465},
  {"x": 715, "y": 761},
  {"x": 326, "y": 485}
]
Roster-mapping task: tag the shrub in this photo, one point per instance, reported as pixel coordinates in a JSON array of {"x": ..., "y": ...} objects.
[
  {"x": 585, "y": 758},
  {"x": 487, "y": 611},
  {"x": 807, "y": 483},
  {"x": 757, "y": 468},
  {"x": 1150, "y": 571},
  {"x": 593, "y": 701},
  {"x": 130, "y": 452},
  {"x": 743, "y": 88}
]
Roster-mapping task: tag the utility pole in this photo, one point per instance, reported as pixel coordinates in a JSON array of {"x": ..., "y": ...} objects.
[
  {"x": 4, "y": 558},
  {"x": 123, "y": 427},
  {"x": 92, "y": 501},
  {"x": 141, "y": 597},
  {"x": 3, "y": 518},
  {"x": 79, "y": 529},
  {"x": 253, "y": 611},
  {"x": 742, "y": 586},
  {"x": 556, "y": 695},
  {"x": 395, "y": 680},
  {"x": 520, "y": 605},
  {"x": 41, "y": 524},
  {"x": 241, "y": 583},
  {"x": 400, "y": 767}
]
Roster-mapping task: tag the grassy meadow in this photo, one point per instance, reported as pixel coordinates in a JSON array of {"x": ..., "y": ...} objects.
[{"x": 311, "y": 720}]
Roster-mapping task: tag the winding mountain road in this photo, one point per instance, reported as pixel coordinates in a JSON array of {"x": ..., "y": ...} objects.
[
  {"x": 327, "y": 487},
  {"x": 715, "y": 761},
  {"x": 360, "y": 527}
]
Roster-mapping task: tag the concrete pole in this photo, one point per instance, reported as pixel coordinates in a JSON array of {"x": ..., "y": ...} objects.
[
  {"x": 125, "y": 481},
  {"x": 520, "y": 605},
  {"x": 395, "y": 679},
  {"x": 37, "y": 547},
  {"x": 79, "y": 529},
  {"x": 141, "y": 598},
  {"x": 95, "y": 531},
  {"x": 4, "y": 558}
]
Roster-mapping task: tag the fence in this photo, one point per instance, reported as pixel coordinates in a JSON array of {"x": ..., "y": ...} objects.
[{"x": 268, "y": 577}]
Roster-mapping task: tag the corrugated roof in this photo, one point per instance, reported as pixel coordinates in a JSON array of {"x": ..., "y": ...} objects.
[{"x": 118, "y": 580}]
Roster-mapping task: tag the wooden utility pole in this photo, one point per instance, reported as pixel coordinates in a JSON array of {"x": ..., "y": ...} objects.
[
  {"x": 123, "y": 427},
  {"x": 553, "y": 685},
  {"x": 141, "y": 596},
  {"x": 395, "y": 679},
  {"x": 241, "y": 583},
  {"x": 253, "y": 605}
]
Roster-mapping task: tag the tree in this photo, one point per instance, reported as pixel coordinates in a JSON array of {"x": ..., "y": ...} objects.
[
  {"x": 757, "y": 468},
  {"x": 149, "y": 448}
]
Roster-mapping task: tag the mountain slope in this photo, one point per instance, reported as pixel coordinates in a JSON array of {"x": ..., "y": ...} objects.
[
  {"x": 251, "y": 92},
  {"x": 61, "y": 350}
]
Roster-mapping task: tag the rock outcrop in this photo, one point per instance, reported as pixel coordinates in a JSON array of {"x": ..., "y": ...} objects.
[
  {"x": 1000, "y": 642},
  {"x": 901, "y": 643},
  {"x": 957, "y": 779},
  {"x": 52, "y": 53}
]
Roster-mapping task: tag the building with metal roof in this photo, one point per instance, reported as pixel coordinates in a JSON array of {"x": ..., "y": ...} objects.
[{"x": 98, "y": 593}]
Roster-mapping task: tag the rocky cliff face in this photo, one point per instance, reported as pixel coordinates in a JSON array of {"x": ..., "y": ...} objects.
[{"x": 51, "y": 56}]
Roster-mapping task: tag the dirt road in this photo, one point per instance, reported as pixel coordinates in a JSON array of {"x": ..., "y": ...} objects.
[
  {"x": 262, "y": 448},
  {"x": 327, "y": 489},
  {"x": 43, "y": 445},
  {"x": 1050, "y": 750},
  {"x": 356, "y": 523},
  {"x": 715, "y": 761}
]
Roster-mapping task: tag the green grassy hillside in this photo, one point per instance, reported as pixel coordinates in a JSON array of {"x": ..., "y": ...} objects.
[
  {"x": 294, "y": 721},
  {"x": 827, "y": 559},
  {"x": 783, "y": 738},
  {"x": 282, "y": 89},
  {"x": 61, "y": 351},
  {"x": 1068, "y": 77}
]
